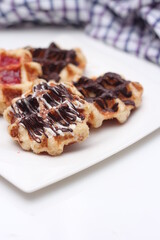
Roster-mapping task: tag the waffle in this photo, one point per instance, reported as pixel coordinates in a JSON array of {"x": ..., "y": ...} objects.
[
  {"x": 109, "y": 96},
  {"x": 48, "y": 117},
  {"x": 17, "y": 72},
  {"x": 59, "y": 64}
]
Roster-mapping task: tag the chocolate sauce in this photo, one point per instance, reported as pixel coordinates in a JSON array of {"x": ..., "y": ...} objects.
[
  {"x": 107, "y": 87},
  {"x": 53, "y": 60},
  {"x": 49, "y": 110}
]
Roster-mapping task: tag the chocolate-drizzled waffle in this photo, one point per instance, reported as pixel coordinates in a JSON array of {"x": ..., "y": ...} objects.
[
  {"x": 58, "y": 63},
  {"x": 109, "y": 96},
  {"x": 48, "y": 117},
  {"x": 17, "y": 73}
]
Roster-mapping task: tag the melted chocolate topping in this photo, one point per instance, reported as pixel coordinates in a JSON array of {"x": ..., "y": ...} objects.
[
  {"x": 49, "y": 111},
  {"x": 107, "y": 87},
  {"x": 53, "y": 60}
]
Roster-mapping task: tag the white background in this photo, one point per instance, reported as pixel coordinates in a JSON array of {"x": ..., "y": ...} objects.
[{"x": 116, "y": 199}]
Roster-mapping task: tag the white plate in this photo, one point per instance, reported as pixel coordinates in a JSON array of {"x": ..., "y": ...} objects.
[{"x": 30, "y": 172}]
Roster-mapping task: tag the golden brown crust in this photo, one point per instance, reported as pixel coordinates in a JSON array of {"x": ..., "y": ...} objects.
[{"x": 71, "y": 71}]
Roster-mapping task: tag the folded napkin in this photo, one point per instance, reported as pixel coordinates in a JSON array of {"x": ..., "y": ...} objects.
[{"x": 130, "y": 25}]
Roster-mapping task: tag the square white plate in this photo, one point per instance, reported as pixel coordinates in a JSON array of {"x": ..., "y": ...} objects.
[{"x": 30, "y": 172}]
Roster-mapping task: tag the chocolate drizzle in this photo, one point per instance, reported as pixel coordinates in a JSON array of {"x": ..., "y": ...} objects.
[
  {"x": 53, "y": 60},
  {"x": 49, "y": 110},
  {"x": 104, "y": 89}
]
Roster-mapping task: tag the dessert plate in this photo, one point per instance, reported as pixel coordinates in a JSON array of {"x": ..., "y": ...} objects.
[{"x": 30, "y": 172}]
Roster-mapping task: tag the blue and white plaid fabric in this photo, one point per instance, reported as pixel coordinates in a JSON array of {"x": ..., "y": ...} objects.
[{"x": 130, "y": 25}]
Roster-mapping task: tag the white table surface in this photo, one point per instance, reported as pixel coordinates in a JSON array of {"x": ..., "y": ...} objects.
[{"x": 116, "y": 199}]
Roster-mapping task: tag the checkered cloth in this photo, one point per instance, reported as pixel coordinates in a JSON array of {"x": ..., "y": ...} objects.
[{"x": 130, "y": 25}]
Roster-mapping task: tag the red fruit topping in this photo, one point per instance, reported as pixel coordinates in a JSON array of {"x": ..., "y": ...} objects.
[
  {"x": 10, "y": 76},
  {"x": 6, "y": 60}
]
